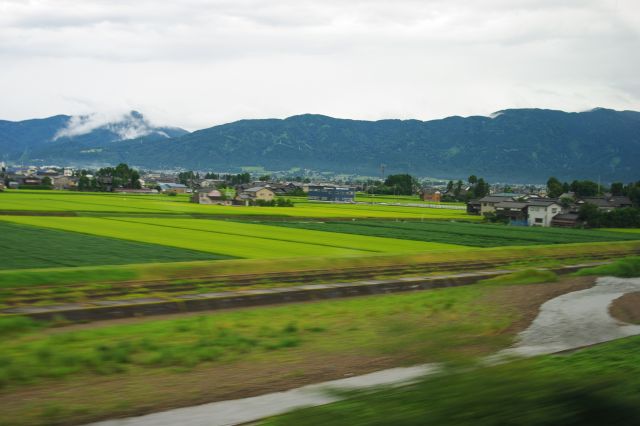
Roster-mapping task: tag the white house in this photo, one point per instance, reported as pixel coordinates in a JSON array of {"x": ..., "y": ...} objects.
[{"x": 542, "y": 211}]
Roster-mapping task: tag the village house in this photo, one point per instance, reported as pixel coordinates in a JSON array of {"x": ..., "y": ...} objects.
[
  {"x": 211, "y": 183},
  {"x": 605, "y": 203},
  {"x": 64, "y": 182},
  {"x": 208, "y": 196},
  {"x": 542, "y": 211},
  {"x": 474, "y": 207},
  {"x": 178, "y": 188},
  {"x": 514, "y": 211},
  {"x": 250, "y": 195},
  {"x": 488, "y": 203},
  {"x": 430, "y": 194},
  {"x": 339, "y": 194},
  {"x": 566, "y": 220}
]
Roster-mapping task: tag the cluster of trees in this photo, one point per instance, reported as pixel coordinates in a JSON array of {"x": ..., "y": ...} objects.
[
  {"x": 582, "y": 188},
  {"x": 188, "y": 178},
  {"x": 400, "y": 184},
  {"x": 587, "y": 188},
  {"x": 238, "y": 179},
  {"x": 107, "y": 179},
  {"x": 405, "y": 184},
  {"x": 631, "y": 190},
  {"x": 628, "y": 217},
  {"x": 301, "y": 179},
  {"x": 478, "y": 188}
]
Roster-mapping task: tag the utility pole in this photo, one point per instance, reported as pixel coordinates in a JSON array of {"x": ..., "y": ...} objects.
[{"x": 382, "y": 166}]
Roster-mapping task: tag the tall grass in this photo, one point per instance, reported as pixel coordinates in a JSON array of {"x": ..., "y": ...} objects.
[
  {"x": 627, "y": 267},
  {"x": 426, "y": 325},
  {"x": 528, "y": 276},
  {"x": 594, "y": 387}
]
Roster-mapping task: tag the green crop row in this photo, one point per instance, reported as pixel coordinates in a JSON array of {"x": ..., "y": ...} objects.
[
  {"x": 466, "y": 234},
  {"x": 77, "y": 202},
  {"x": 36, "y": 247},
  {"x": 229, "y": 238}
]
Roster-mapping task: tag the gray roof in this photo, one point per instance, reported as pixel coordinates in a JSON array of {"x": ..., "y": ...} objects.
[
  {"x": 511, "y": 205},
  {"x": 171, "y": 185},
  {"x": 257, "y": 188},
  {"x": 495, "y": 199},
  {"x": 542, "y": 202}
]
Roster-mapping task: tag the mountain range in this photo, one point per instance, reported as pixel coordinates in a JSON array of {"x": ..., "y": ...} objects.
[{"x": 513, "y": 145}]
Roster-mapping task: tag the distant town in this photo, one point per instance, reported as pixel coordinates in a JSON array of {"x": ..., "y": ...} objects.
[{"x": 576, "y": 204}]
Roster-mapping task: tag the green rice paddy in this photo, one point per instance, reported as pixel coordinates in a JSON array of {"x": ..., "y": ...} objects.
[
  {"x": 229, "y": 238},
  {"x": 466, "y": 234},
  {"x": 103, "y": 204},
  {"x": 78, "y": 229},
  {"x": 36, "y": 247}
]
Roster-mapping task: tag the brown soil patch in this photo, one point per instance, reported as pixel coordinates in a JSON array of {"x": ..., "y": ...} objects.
[
  {"x": 626, "y": 308},
  {"x": 525, "y": 300},
  {"x": 94, "y": 398}
]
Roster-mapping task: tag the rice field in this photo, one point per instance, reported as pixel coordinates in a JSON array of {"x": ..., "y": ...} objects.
[
  {"x": 229, "y": 238},
  {"x": 83, "y": 229},
  {"x": 104, "y": 204},
  {"x": 36, "y": 247},
  {"x": 466, "y": 234}
]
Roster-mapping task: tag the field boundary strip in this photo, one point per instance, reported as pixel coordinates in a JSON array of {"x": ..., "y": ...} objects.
[{"x": 260, "y": 297}]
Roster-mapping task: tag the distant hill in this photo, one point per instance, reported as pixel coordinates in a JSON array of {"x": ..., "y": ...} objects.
[
  {"x": 514, "y": 145},
  {"x": 61, "y": 135}
]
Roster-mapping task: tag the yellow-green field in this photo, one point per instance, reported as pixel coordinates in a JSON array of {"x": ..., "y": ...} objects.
[
  {"x": 230, "y": 238},
  {"x": 83, "y": 203}
]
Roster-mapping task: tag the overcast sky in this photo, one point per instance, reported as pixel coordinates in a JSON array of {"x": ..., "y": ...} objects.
[{"x": 196, "y": 63}]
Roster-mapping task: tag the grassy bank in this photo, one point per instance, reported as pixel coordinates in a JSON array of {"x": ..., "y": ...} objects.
[
  {"x": 185, "y": 270},
  {"x": 627, "y": 267},
  {"x": 595, "y": 386},
  {"x": 146, "y": 364}
]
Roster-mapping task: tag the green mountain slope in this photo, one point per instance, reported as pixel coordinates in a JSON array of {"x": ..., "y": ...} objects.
[{"x": 526, "y": 145}]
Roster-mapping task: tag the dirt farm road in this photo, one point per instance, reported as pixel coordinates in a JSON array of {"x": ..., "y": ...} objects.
[{"x": 570, "y": 321}]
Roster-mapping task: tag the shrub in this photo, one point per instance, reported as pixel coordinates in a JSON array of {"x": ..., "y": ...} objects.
[
  {"x": 12, "y": 325},
  {"x": 528, "y": 276},
  {"x": 627, "y": 267}
]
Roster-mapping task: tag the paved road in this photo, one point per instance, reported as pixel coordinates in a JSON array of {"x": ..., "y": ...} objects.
[
  {"x": 569, "y": 321},
  {"x": 577, "y": 319},
  {"x": 258, "y": 407}
]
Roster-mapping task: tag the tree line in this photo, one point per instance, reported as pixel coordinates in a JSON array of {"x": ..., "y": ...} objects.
[
  {"x": 588, "y": 188},
  {"x": 107, "y": 179}
]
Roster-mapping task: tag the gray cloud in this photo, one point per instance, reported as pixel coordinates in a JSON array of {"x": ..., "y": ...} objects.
[{"x": 194, "y": 63}]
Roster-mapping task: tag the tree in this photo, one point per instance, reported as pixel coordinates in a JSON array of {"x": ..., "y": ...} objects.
[
  {"x": 84, "y": 183},
  {"x": 403, "y": 184},
  {"x": 457, "y": 189},
  {"x": 187, "y": 178},
  {"x": 554, "y": 187},
  {"x": 46, "y": 181},
  {"x": 590, "y": 214},
  {"x": 481, "y": 189},
  {"x": 633, "y": 192},
  {"x": 264, "y": 178},
  {"x": 617, "y": 189},
  {"x": 472, "y": 180},
  {"x": 585, "y": 188}
]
